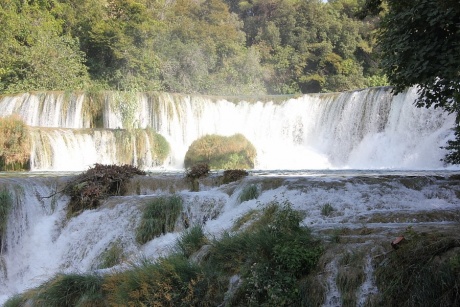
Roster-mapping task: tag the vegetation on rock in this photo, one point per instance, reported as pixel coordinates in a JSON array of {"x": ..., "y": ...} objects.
[
  {"x": 220, "y": 152},
  {"x": 14, "y": 144},
  {"x": 97, "y": 183},
  {"x": 159, "y": 218}
]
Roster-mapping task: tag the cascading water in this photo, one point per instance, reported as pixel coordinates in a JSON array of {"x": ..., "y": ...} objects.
[
  {"x": 367, "y": 129},
  {"x": 346, "y": 150}
]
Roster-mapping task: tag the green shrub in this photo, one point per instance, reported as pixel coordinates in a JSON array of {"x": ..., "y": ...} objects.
[
  {"x": 159, "y": 218},
  {"x": 272, "y": 257},
  {"x": 232, "y": 175},
  {"x": 14, "y": 144},
  {"x": 6, "y": 202},
  {"x": 249, "y": 192},
  {"x": 220, "y": 152},
  {"x": 16, "y": 301},
  {"x": 191, "y": 240}
]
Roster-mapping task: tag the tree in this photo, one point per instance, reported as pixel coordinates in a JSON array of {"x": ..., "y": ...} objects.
[{"x": 419, "y": 42}]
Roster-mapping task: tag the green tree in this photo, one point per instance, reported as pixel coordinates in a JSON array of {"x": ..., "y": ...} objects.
[
  {"x": 35, "y": 53},
  {"x": 419, "y": 42}
]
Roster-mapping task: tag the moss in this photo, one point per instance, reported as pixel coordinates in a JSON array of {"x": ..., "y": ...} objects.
[{"x": 220, "y": 152}]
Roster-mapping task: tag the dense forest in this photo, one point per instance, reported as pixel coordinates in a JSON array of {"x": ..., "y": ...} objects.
[{"x": 217, "y": 47}]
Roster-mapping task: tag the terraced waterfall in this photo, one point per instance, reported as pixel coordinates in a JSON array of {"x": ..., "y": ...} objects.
[{"x": 362, "y": 167}]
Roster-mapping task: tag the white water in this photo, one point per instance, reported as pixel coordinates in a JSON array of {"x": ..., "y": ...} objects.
[
  {"x": 40, "y": 242},
  {"x": 367, "y": 129}
]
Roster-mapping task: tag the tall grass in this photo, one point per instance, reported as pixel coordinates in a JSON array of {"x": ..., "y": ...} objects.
[
  {"x": 159, "y": 217},
  {"x": 249, "y": 192},
  {"x": 64, "y": 290},
  {"x": 191, "y": 240},
  {"x": 14, "y": 144},
  {"x": 423, "y": 272}
]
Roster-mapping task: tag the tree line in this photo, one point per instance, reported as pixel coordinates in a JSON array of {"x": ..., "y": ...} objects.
[{"x": 218, "y": 47}]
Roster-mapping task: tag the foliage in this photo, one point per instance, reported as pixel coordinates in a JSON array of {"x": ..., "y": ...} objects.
[
  {"x": 171, "y": 281},
  {"x": 271, "y": 257},
  {"x": 419, "y": 46},
  {"x": 249, "y": 192},
  {"x": 69, "y": 290},
  {"x": 6, "y": 202},
  {"x": 14, "y": 143},
  {"x": 36, "y": 53},
  {"x": 425, "y": 271},
  {"x": 97, "y": 183},
  {"x": 231, "y": 175},
  {"x": 159, "y": 218},
  {"x": 221, "y": 152},
  {"x": 191, "y": 240},
  {"x": 220, "y": 47}
]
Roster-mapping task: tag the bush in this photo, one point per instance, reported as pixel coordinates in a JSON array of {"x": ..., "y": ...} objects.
[
  {"x": 14, "y": 144},
  {"x": 97, "y": 183},
  {"x": 220, "y": 152},
  {"x": 248, "y": 193},
  {"x": 233, "y": 175},
  {"x": 159, "y": 218}
]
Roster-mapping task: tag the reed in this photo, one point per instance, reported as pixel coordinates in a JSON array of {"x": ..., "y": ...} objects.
[{"x": 15, "y": 144}]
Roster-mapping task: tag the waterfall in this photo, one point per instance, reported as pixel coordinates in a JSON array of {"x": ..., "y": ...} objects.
[{"x": 365, "y": 129}]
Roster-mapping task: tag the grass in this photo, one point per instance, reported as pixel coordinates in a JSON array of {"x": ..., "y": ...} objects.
[
  {"x": 327, "y": 209},
  {"x": 159, "y": 217},
  {"x": 248, "y": 193},
  {"x": 64, "y": 290},
  {"x": 191, "y": 240},
  {"x": 110, "y": 257},
  {"x": 350, "y": 277},
  {"x": 425, "y": 271}
]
